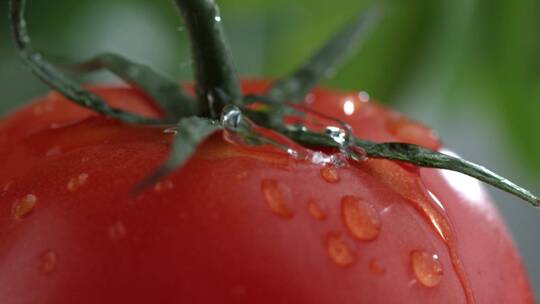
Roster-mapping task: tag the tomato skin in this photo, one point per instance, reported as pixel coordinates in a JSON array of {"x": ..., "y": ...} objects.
[{"x": 207, "y": 234}]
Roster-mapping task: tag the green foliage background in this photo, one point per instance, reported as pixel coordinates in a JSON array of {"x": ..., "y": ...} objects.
[{"x": 469, "y": 68}]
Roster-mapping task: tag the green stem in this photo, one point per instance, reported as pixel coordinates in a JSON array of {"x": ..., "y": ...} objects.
[
  {"x": 419, "y": 156},
  {"x": 54, "y": 78},
  {"x": 216, "y": 81}
]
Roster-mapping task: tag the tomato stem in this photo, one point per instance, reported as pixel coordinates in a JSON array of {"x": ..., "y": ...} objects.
[{"x": 217, "y": 83}]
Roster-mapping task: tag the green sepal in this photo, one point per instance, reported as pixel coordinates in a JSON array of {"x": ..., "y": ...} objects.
[
  {"x": 190, "y": 133},
  {"x": 424, "y": 157},
  {"x": 326, "y": 61},
  {"x": 166, "y": 92},
  {"x": 416, "y": 155},
  {"x": 51, "y": 76}
]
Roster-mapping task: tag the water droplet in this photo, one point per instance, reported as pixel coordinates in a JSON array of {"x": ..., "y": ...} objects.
[
  {"x": 426, "y": 267},
  {"x": 171, "y": 130},
  {"x": 275, "y": 199},
  {"x": 319, "y": 158},
  {"x": 361, "y": 218},
  {"x": 375, "y": 267},
  {"x": 23, "y": 207},
  {"x": 48, "y": 262},
  {"x": 336, "y": 160},
  {"x": 363, "y": 96},
  {"x": 338, "y": 250},
  {"x": 117, "y": 231},
  {"x": 330, "y": 174},
  {"x": 163, "y": 185},
  {"x": 342, "y": 136},
  {"x": 316, "y": 211},
  {"x": 293, "y": 153},
  {"x": 409, "y": 185},
  {"x": 231, "y": 117},
  {"x": 76, "y": 182},
  {"x": 337, "y": 134},
  {"x": 217, "y": 18}
]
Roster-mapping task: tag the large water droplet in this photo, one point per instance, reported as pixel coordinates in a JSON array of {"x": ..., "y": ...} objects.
[
  {"x": 343, "y": 137},
  {"x": 117, "y": 231},
  {"x": 316, "y": 211},
  {"x": 337, "y": 134},
  {"x": 275, "y": 199},
  {"x": 24, "y": 206},
  {"x": 427, "y": 268},
  {"x": 361, "y": 218},
  {"x": 231, "y": 117},
  {"x": 76, "y": 182},
  {"x": 48, "y": 262},
  {"x": 330, "y": 174},
  {"x": 338, "y": 250}
]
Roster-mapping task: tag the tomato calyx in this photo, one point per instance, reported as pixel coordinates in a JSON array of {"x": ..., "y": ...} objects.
[{"x": 220, "y": 104}]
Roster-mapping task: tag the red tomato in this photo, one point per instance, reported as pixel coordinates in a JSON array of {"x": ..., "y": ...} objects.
[{"x": 238, "y": 224}]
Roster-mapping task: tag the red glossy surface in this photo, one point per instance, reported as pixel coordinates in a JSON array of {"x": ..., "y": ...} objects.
[{"x": 235, "y": 225}]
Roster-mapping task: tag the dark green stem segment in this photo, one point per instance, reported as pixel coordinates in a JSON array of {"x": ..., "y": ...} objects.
[
  {"x": 54, "y": 78},
  {"x": 217, "y": 83}
]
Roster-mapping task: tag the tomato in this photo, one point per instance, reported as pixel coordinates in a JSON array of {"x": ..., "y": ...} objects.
[{"x": 238, "y": 224}]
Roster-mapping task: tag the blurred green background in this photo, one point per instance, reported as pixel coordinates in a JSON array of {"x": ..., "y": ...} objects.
[{"x": 468, "y": 68}]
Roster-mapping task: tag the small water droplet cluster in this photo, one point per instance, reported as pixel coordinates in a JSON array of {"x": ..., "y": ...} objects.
[{"x": 363, "y": 223}]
